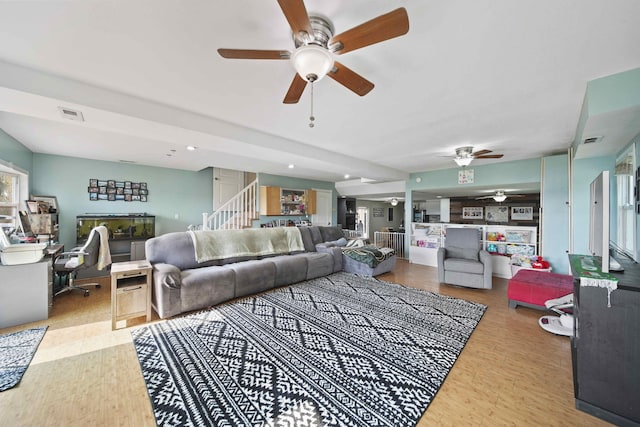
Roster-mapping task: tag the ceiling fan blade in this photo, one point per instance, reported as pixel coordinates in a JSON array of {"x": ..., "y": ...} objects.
[
  {"x": 384, "y": 27},
  {"x": 350, "y": 79},
  {"x": 254, "y": 54},
  {"x": 481, "y": 152},
  {"x": 295, "y": 90},
  {"x": 489, "y": 156},
  {"x": 296, "y": 14}
]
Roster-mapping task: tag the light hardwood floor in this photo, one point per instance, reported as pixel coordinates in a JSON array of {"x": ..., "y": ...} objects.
[{"x": 511, "y": 372}]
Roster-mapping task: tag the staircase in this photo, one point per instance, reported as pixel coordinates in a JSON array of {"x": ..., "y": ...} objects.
[{"x": 239, "y": 212}]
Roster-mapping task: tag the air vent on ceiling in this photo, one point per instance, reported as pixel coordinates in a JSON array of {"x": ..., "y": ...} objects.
[
  {"x": 592, "y": 140},
  {"x": 70, "y": 114}
]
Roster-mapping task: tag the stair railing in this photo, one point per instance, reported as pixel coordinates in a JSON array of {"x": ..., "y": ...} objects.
[{"x": 239, "y": 212}]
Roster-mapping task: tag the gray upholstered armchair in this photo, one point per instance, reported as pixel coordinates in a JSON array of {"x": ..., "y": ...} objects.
[{"x": 462, "y": 261}]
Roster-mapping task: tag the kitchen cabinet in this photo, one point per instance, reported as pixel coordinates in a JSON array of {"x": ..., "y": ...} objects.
[{"x": 286, "y": 201}]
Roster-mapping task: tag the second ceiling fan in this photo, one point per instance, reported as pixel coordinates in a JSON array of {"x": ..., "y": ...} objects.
[
  {"x": 464, "y": 155},
  {"x": 316, "y": 46}
]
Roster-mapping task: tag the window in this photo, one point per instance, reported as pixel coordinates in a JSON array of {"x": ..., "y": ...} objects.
[
  {"x": 625, "y": 238},
  {"x": 9, "y": 199}
]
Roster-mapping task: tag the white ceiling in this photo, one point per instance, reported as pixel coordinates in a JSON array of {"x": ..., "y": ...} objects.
[{"x": 503, "y": 75}]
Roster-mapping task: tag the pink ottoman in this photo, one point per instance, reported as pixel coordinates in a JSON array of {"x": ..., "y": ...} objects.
[{"x": 532, "y": 288}]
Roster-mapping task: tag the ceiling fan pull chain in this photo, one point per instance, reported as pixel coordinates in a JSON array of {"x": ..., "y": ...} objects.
[{"x": 311, "y": 118}]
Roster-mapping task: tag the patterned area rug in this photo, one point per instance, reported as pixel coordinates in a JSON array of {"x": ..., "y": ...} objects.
[
  {"x": 16, "y": 351},
  {"x": 337, "y": 350}
]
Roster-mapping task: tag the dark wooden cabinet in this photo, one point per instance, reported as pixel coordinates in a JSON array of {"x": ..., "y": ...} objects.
[
  {"x": 347, "y": 213},
  {"x": 606, "y": 349}
]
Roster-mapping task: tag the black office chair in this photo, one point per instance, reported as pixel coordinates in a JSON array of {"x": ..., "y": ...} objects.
[{"x": 67, "y": 265}]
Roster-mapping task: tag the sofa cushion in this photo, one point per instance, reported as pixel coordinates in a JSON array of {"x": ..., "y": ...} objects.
[
  {"x": 253, "y": 276},
  {"x": 316, "y": 236},
  {"x": 206, "y": 286},
  {"x": 329, "y": 234},
  {"x": 463, "y": 265},
  {"x": 289, "y": 269},
  {"x": 307, "y": 239},
  {"x": 319, "y": 264},
  {"x": 463, "y": 253}
]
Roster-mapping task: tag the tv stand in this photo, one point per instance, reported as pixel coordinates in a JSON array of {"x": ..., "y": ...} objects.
[{"x": 605, "y": 348}]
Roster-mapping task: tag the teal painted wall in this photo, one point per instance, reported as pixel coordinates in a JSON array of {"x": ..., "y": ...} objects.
[
  {"x": 585, "y": 171},
  {"x": 615, "y": 92},
  {"x": 172, "y": 192},
  {"x": 297, "y": 184},
  {"x": 499, "y": 175},
  {"x": 555, "y": 213},
  {"x": 14, "y": 153}
]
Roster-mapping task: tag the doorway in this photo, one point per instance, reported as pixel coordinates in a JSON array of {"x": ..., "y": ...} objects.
[
  {"x": 227, "y": 184},
  {"x": 362, "y": 221},
  {"x": 323, "y": 208}
]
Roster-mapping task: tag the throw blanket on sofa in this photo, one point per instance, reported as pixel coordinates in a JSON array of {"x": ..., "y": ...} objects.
[
  {"x": 370, "y": 255},
  {"x": 219, "y": 244}
]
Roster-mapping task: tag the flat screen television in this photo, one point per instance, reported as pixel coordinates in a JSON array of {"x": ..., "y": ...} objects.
[{"x": 599, "y": 219}]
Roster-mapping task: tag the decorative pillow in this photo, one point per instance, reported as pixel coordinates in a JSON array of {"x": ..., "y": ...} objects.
[
  {"x": 464, "y": 253},
  {"x": 355, "y": 243},
  {"x": 340, "y": 242}
]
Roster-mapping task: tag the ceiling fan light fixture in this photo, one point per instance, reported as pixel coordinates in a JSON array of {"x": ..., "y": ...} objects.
[
  {"x": 463, "y": 161},
  {"x": 500, "y": 197},
  {"x": 312, "y": 62}
]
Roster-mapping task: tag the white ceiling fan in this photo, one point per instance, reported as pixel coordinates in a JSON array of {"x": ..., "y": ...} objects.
[
  {"x": 465, "y": 155},
  {"x": 499, "y": 196}
]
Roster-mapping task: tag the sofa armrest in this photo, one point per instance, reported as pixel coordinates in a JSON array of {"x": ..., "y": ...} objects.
[
  {"x": 165, "y": 295},
  {"x": 485, "y": 258},
  {"x": 441, "y": 254},
  {"x": 167, "y": 275}
]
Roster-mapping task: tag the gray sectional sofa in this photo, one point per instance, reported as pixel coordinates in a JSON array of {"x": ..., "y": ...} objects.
[{"x": 182, "y": 283}]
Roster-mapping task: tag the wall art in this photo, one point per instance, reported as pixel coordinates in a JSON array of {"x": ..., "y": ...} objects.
[
  {"x": 112, "y": 190},
  {"x": 473, "y": 212},
  {"x": 520, "y": 213},
  {"x": 497, "y": 214}
]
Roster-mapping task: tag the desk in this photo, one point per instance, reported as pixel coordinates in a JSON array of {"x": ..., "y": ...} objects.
[
  {"x": 53, "y": 251},
  {"x": 24, "y": 293}
]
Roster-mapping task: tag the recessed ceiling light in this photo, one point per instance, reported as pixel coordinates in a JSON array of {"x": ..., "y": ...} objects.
[
  {"x": 291, "y": 166},
  {"x": 346, "y": 176},
  {"x": 191, "y": 148}
]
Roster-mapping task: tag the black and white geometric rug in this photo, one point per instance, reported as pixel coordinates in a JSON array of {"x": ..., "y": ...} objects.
[
  {"x": 16, "y": 351},
  {"x": 338, "y": 350}
]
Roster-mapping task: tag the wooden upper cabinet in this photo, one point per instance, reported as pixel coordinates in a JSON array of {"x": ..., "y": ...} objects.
[
  {"x": 311, "y": 202},
  {"x": 270, "y": 200}
]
